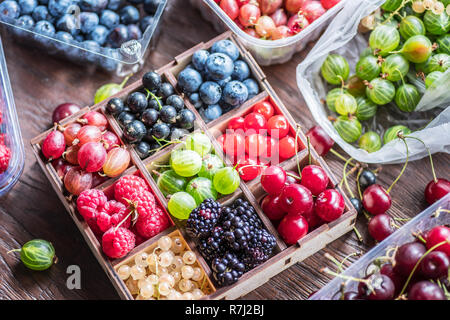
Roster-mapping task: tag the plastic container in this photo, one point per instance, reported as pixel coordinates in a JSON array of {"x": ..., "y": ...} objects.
[
  {"x": 424, "y": 221},
  {"x": 10, "y": 127},
  {"x": 267, "y": 52},
  {"x": 121, "y": 61}
]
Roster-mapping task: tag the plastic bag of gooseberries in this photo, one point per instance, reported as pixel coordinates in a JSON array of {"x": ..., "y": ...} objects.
[{"x": 430, "y": 121}]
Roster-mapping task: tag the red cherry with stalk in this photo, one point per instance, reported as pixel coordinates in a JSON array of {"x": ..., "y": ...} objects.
[
  {"x": 315, "y": 179},
  {"x": 436, "y": 189},
  {"x": 292, "y": 228},
  {"x": 437, "y": 235},
  {"x": 273, "y": 179},
  {"x": 296, "y": 199},
  {"x": 272, "y": 208},
  {"x": 320, "y": 140},
  {"x": 381, "y": 226},
  {"x": 329, "y": 205},
  {"x": 248, "y": 168}
]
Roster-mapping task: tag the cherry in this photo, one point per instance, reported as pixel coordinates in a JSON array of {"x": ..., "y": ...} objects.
[
  {"x": 296, "y": 199},
  {"x": 256, "y": 122},
  {"x": 233, "y": 144},
  {"x": 278, "y": 127},
  {"x": 351, "y": 295},
  {"x": 407, "y": 256},
  {"x": 273, "y": 179},
  {"x": 426, "y": 290},
  {"x": 437, "y": 235},
  {"x": 381, "y": 287},
  {"x": 388, "y": 270},
  {"x": 367, "y": 178},
  {"x": 236, "y": 123},
  {"x": 64, "y": 110},
  {"x": 290, "y": 178},
  {"x": 92, "y": 156},
  {"x": 265, "y": 108},
  {"x": 110, "y": 140},
  {"x": 329, "y": 205},
  {"x": 272, "y": 148},
  {"x": 292, "y": 228},
  {"x": 381, "y": 227},
  {"x": 54, "y": 145},
  {"x": 376, "y": 200},
  {"x": 94, "y": 118},
  {"x": 272, "y": 208},
  {"x": 436, "y": 189},
  {"x": 287, "y": 147},
  {"x": 320, "y": 140},
  {"x": 435, "y": 265},
  {"x": 256, "y": 145},
  {"x": 356, "y": 204},
  {"x": 315, "y": 179},
  {"x": 312, "y": 218},
  {"x": 251, "y": 168}
]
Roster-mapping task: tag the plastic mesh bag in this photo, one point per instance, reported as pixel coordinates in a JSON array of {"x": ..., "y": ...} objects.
[{"x": 430, "y": 121}]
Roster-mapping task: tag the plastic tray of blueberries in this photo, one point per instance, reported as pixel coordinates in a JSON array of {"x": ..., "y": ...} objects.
[
  {"x": 426, "y": 220},
  {"x": 9, "y": 128},
  {"x": 114, "y": 35}
]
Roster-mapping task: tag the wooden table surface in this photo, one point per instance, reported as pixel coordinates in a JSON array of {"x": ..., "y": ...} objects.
[{"x": 32, "y": 209}]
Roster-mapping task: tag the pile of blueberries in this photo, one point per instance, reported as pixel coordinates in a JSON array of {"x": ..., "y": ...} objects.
[
  {"x": 152, "y": 116},
  {"x": 217, "y": 81},
  {"x": 91, "y": 24}
]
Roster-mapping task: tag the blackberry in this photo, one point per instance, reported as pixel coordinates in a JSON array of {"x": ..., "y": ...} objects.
[
  {"x": 203, "y": 219},
  {"x": 236, "y": 230},
  {"x": 227, "y": 270},
  {"x": 262, "y": 239},
  {"x": 247, "y": 213},
  {"x": 213, "y": 246},
  {"x": 253, "y": 258}
]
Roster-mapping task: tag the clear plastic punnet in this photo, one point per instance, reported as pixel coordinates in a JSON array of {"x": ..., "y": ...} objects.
[
  {"x": 267, "y": 52},
  {"x": 129, "y": 58},
  {"x": 432, "y": 216},
  {"x": 9, "y": 127},
  {"x": 430, "y": 121}
]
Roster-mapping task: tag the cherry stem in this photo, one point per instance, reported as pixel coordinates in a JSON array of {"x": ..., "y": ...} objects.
[
  {"x": 367, "y": 215},
  {"x": 337, "y": 154},
  {"x": 344, "y": 178},
  {"x": 293, "y": 176},
  {"x": 309, "y": 150},
  {"x": 404, "y": 166},
  {"x": 342, "y": 276},
  {"x": 149, "y": 93},
  {"x": 401, "y": 219},
  {"x": 357, "y": 183},
  {"x": 429, "y": 155},
  {"x": 418, "y": 263},
  {"x": 358, "y": 234}
]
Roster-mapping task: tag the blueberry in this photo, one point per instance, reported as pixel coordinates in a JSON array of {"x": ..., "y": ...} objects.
[
  {"x": 45, "y": 28},
  {"x": 68, "y": 24},
  {"x": 41, "y": 13},
  {"x": 150, "y": 116},
  {"x": 134, "y": 33},
  {"x": 189, "y": 80},
  {"x": 88, "y": 21},
  {"x": 134, "y": 131},
  {"x": 117, "y": 36},
  {"x": 227, "y": 47},
  {"x": 235, "y": 93},
  {"x": 109, "y": 59},
  {"x": 98, "y": 34},
  {"x": 143, "y": 149},
  {"x": 93, "y": 5},
  {"x": 175, "y": 101},
  {"x": 252, "y": 87},
  {"x": 151, "y": 6},
  {"x": 168, "y": 114},
  {"x": 160, "y": 131},
  {"x": 212, "y": 112},
  {"x": 9, "y": 10},
  {"x": 223, "y": 83},
  {"x": 114, "y": 4},
  {"x": 63, "y": 44},
  {"x": 115, "y": 106},
  {"x": 226, "y": 107},
  {"x": 79, "y": 37},
  {"x": 146, "y": 22},
  {"x": 177, "y": 133},
  {"x": 219, "y": 66},
  {"x": 109, "y": 19},
  {"x": 125, "y": 118},
  {"x": 241, "y": 70},
  {"x": 195, "y": 100},
  {"x": 152, "y": 81},
  {"x": 43, "y": 2},
  {"x": 186, "y": 119},
  {"x": 137, "y": 101},
  {"x": 129, "y": 14},
  {"x": 92, "y": 49},
  {"x": 58, "y": 7},
  {"x": 166, "y": 90},
  {"x": 210, "y": 92},
  {"x": 199, "y": 59},
  {"x": 27, "y": 6},
  {"x": 24, "y": 22},
  {"x": 135, "y": 1}
]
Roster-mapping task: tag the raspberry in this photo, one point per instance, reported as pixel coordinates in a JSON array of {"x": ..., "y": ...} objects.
[
  {"x": 144, "y": 203},
  {"x": 116, "y": 243},
  {"x": 92, "y": 223},
  {"x": 151, "y": 224},
  {"x": 111, "y": 214},
  {"x": 5, "y": 155},
  {"x": 128, "y": 187},
  {"x": 2, "y": 138},
  {"x": 89, "y": 202}
]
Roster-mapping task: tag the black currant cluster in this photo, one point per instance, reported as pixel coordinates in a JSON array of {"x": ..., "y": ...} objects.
[
  {"x": 233, "y": 238},
  {"x": 152, "y": 116}
]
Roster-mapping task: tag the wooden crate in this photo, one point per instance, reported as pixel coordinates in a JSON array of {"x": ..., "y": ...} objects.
[{"x": 284, "y": 256}]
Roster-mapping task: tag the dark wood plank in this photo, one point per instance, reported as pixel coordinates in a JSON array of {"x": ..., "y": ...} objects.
[{"x": 32, "y": 209}]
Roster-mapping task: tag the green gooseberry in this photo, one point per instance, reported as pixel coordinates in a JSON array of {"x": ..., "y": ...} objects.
[{"x": 370, "y": 141}]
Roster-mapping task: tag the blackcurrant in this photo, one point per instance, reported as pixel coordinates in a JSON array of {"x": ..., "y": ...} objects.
[
  {"x": 153, "y": 104},
  {"x": 160, "y": 131},
  {"x": 175, "y": 101},
  {"x": 137, "y": 101},
  {"x": 134, "y": 131},
  {"x": 357, "y": 204},
  {"x": 177, "y": 133},
  {"x": 152, "y": 81},
  {"x": 143, "y": 149},
  {"x": 168, "y": 114},
  {"x": 115, "y": 106},
  {"x": 367, "y": 178},
  {"x": 166, "y": 90},
  {"x": 186, "y": 119},
  {"x": 125, "y": 118},
  {"x": 149, "y": 117}
]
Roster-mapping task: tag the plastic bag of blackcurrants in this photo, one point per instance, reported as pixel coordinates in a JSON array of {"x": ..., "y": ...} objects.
[{"x": 429, "y": 117}]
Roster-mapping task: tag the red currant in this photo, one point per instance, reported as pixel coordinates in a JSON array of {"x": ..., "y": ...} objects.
[
  {"x": 278, "y": 127},
  {"x": 255, "y": 122},
  {"x": 265, "y": 108},
  {"x": 236, "y": 123},
  {"x": 287, "y": 147},
  {"x": 329, "y": 205},
  {"x": 256, "y": 145},
  {"x": 233, "y": 144}
]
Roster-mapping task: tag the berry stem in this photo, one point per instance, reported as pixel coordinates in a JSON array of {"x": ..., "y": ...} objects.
[
  {"x": 124, "y": 81},
  {"x": 342, "y": 276},
  {"x": 293, "y": 176},
  {"x": 14, "y": 250},
  {"x": 418, "y": 263},
  {"x": 149, "y": 93},
  {"x": 404, "y": 166},
  {"x": 309, "y": 150},
  {"x": 357, "y": 183},
  {"x": 337, "y": 154},
  {"x": 429, "y": 155},
  {"x": 358, "y": 234},
  {"x": 344, "y": 178}
]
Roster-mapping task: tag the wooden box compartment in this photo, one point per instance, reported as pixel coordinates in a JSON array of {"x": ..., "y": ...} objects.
[{"x": 283, "y": 255}]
